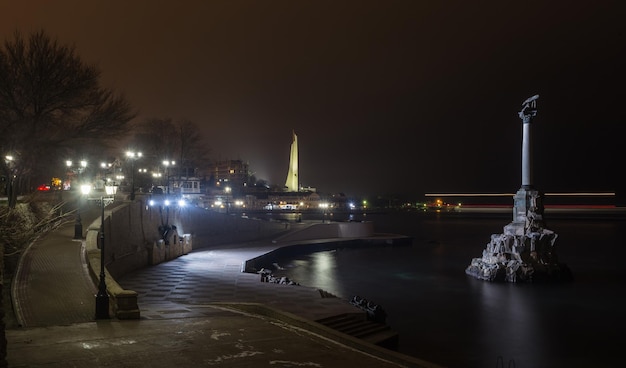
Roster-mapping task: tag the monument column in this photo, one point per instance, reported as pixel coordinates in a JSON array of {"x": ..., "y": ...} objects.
[
  {"x": 529, "y": 110},
  {"x": 525, "y": 251},
  {"x": 527, "y": 201}
]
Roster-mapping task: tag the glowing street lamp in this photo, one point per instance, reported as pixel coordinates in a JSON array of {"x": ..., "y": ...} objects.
[
  {"x": 9, "y": 160},
  {"x": 133, "y": 156},
  {"x": 102, "y": 298},
  {"x": 84, "y": 189},
  {"x": 324, "y": 206},
  {"x": 78, "y": 225},
  {"x": 82, "y": 165},
  {"x": 106, "y": 167},
  {"x": 167, "y": 164}
]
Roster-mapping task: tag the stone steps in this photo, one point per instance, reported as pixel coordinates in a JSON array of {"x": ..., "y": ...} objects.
[{"x": 357, "y": 326}]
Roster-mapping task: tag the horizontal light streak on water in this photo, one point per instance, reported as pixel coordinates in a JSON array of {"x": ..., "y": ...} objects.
[{"x": 572, "y": 194}]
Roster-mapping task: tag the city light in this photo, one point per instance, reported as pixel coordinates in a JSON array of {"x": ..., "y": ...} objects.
[
  {"x": 85, "y": 189},
  {"x": 110, "y": 190},
  {"x": 167, "y": 164},
  {"x": 102, "y": 297},
  {"x": 133, "y": 156}
]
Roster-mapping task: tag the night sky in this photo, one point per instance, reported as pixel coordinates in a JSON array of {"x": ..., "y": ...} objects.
[{"x": 385, "y": 96}]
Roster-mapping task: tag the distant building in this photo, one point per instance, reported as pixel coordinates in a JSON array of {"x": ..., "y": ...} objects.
[
  {"x": 290, "y": 201},
  {"x": 185, "y": 186},
  {"x": 230, "y": 173}
]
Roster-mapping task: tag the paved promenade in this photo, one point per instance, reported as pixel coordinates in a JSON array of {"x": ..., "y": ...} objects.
[{"x": 199, "y": 309}]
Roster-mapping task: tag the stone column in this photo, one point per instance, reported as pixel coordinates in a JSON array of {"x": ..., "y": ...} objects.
[
  {"x": 525, "y": 250},
  {"x": 529, "y": 110},
  {"x": 527, "y": 199},
  {"x": 527, "y": 156}
]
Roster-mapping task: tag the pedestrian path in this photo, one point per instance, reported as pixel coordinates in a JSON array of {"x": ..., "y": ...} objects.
[
  {"x": 215, "y": 275},
  {"x": 219, "y": 338},
  {"x": 52, "y": 285},
  {"x": 197, "y": 309}
]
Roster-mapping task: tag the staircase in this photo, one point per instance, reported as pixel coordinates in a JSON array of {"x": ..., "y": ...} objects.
[{"x": 358, "y": 326}]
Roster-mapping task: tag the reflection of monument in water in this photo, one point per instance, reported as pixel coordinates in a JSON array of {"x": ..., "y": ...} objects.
[
  {"x": 526, "y": 251},
  {"x": 291, "y": 184}
]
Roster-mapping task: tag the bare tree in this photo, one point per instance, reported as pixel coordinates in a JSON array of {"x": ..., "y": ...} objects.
[
  {"x": 192, "y": 147},
  {"x": 181, "y": 141},
  {"x": 50, "y": 103},
  {"x": 156, "y": 138}
]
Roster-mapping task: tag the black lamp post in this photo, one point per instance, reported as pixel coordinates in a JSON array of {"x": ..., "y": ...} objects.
[
  {"x": 102, "y": 298},
  {"x": 10, "y": 162},
  {"x": 133, "y": 156},
  {"x": 78, "y": 225},
  {"x": 324, "y": 207},
  {"x": 167, "y": 165}
]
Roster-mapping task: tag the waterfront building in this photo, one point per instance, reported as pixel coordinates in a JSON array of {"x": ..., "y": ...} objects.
[
  {"x": 230, "y": 173},
  {"x": 185, "y": 186}
]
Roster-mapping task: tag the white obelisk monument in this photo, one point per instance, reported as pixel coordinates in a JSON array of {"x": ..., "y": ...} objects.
[{"x": 291, "y": 184}]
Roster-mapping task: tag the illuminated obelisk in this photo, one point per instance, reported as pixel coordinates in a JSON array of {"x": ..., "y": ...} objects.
[{"x": 291, "y": 184}]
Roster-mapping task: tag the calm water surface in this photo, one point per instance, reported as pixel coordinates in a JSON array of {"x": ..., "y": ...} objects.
[{"x": 451, "y": 319}]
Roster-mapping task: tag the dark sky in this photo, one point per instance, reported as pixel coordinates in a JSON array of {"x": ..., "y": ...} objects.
[{"x": 385, "y": 96}]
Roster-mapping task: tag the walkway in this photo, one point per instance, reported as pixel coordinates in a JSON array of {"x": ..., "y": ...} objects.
[
  {"x": 52, "y": 285},
  {"x": 197, "y": 309}
]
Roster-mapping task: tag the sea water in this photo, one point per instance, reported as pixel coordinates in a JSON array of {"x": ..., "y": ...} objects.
[{"x": 446, "y": 317}]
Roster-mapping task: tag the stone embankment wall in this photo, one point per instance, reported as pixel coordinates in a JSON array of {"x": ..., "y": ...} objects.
[
  {"x": 133, "y": 239},
  {"x": 331, "y": 230}
]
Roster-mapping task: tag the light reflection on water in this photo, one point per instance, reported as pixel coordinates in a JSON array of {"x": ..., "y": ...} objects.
[{"x": 451, "y": 319}]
